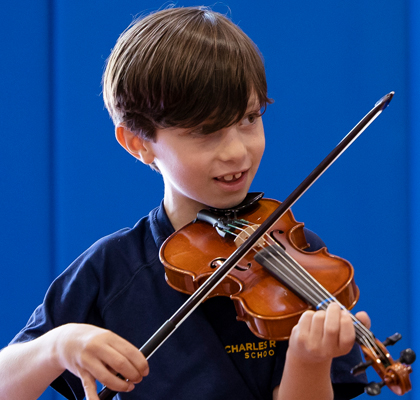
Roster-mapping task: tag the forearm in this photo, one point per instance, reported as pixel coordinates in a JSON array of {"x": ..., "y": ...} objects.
[
  {"x": 303, "y": 381},
  {"x": 27, "y": 369}
]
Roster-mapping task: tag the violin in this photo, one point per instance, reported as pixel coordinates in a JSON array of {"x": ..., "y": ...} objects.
[
  {"x": 278, "y": 268},
  {"x": 215, "y": 234},
  {"x": 255, "y": 254}
]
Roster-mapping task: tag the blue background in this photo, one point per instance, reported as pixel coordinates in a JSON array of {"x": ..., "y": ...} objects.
[{"x": 65, "y": 182}]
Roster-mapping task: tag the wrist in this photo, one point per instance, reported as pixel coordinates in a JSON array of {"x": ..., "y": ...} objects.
[
  {"x": 301, "y": 362},
  {"x": 304, "y": 380},
  {"x": 51, "y": 341}
]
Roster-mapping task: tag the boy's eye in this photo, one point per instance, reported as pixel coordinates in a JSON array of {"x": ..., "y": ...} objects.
[
  {"x": 250, "y": 119},
  {"x": 196, "y": 131}
]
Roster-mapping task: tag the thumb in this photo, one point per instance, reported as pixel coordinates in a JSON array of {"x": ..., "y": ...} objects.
[{"x": 89, "y": 386}]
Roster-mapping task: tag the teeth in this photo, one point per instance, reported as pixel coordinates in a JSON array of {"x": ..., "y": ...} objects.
[{"x": 229, "y": 178}]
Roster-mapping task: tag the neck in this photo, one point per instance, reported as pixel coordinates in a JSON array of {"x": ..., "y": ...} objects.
[{"x": 181, "y": 214}]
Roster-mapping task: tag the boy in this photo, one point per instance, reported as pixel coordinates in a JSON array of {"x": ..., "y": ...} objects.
[{"x": 185, "y": 88}]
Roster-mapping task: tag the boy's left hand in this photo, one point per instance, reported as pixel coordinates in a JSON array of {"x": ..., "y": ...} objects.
[{"x": 321, "y": 336}]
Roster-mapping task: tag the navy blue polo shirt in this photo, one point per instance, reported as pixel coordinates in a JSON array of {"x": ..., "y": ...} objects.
[{"x": 119, "y": 284}]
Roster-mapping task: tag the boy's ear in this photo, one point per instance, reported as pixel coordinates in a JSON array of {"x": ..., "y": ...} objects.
[{"x": 135, "y": 145}]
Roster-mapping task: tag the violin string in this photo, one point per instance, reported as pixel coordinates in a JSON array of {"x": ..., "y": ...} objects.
[
  {"x": 313, "y": 300},
  {"x": 363, "y": 335},
  {"x": 309, "y": 285},
  {"x": 322, "y": 297},
  {"x": 303, "y": 275},
  {"x": 320, "y": 293}
]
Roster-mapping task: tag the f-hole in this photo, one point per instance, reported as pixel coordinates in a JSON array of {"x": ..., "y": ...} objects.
[
  {"x": 277, "y": 232},
  {"x": 217, "y": 262}
]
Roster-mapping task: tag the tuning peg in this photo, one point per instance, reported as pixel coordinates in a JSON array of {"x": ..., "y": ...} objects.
[
  {"x": 359, "y": 368},
  {"x": 407, "y": 356},
  {"x": 374, "y": 388},
  {"x": 391, "y": 340}
]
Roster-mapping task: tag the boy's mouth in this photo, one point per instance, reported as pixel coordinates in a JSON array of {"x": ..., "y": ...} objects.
[{"x": 230, "y": 178}]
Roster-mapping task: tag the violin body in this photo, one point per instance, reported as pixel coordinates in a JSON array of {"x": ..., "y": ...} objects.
[{"x": 269, "y": 308}]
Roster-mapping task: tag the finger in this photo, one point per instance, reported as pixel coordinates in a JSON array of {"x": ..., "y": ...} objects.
[
  {"x": 117, "y": 362},
  {"x": 89, "y": 386},
  {"x": 144, "y": 363},
  {"x": 301, "y": 330},
  {"x": 118, "y": 384},
  {"x": 133, "y": 355},
  {"x": 99, "y": 371},
  {"x": 305, "y": 320},
  {"x": 347, "y": 332},
  {"x": 304, "y": 325},
  {"x": 332, "y": 325},
  {"x": 317, "y": 328},
  {"x": 129, "y": 362},
  {"x": 364, "y": 319}
]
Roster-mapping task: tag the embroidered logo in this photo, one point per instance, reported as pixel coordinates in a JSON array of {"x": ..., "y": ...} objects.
[{"x": 253, "y": 350}]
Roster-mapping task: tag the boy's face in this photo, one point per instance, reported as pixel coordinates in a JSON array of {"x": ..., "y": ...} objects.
[{"x": 216, "y": 169}]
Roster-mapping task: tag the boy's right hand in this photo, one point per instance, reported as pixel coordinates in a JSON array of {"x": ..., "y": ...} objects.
[{"x": 93, "y": 353}]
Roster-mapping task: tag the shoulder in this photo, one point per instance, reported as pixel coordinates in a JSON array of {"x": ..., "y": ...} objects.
[
  {"x": 110, "y": 263},
  {"x": 123, "y": 250},
  {"x": 127, "y": 246},
  {"x": 137, "y": 245},
  {"x": 130, "y": 248}
]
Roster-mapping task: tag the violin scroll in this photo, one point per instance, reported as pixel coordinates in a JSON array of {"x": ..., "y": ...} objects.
[{"x": 394, "y": 374}]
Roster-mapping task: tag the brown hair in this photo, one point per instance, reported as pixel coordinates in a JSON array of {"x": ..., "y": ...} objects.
[{"x": 180, "y": 67}]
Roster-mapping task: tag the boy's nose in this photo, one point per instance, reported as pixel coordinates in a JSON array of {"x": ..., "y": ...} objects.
[{"x": 233, "y": 146}]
